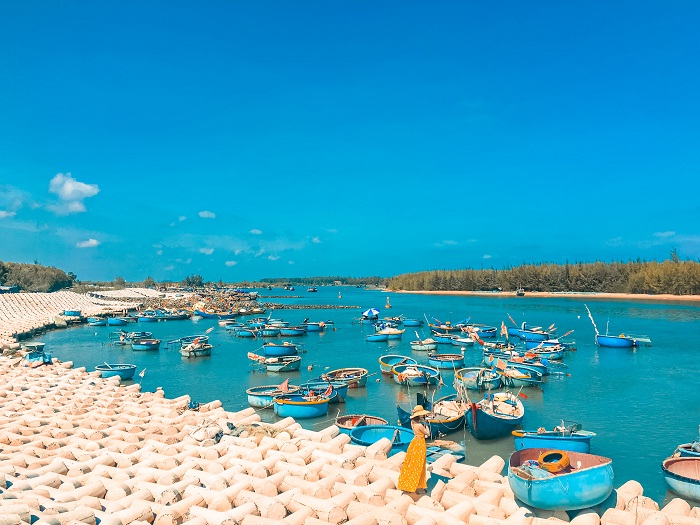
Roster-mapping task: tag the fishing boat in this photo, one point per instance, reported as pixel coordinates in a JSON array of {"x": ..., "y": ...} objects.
[
  {"x": 314, "y": 326},
  {"x": 391, "y": 333},
  {"x": 347, "y": 422},
  {"x": 462, "y": 341},
  {"x": 250, "y": 333},
  {"x": 96, "y": 321},
  {"x": 480, "y": 330},
  {"x": 424, "y": 345},
  {"x": 312, "y": 289},
  {"x": 446, "y": 414},
  {"x": 366, "y": 435},
  {"x": 415, "y": 375},
  {"x": 533, "y": 345},
  {"x": 210, "y": 314},
  {"x": 117, "y": 321},
  {"x": 198, "y": 350},
  {"x": 354, "y": 377},
  {"x": 262, "y": 396},
  {"x": 688, "y": 450},
  {"x": 513, "y": 377},
  {"x": 292, "y": 331},
  {"x": 538, "y": 365},
  {"x": 270, "y": 331},
  {"x": 443, "y": 339},
  {"x": 495, "y": 415},
  {"x": 282, "y": 364},
  {"x": 139, "y": 345},
  {"x": 568, "y": 437},
  {"x": 299, "y": 406},
  {"x": 72, "y": 313},
  {"x": 147, "y": 318},
  {"x": 477, "y": 378},
  {"x": 413, "y": 322},
  {"x": 683, "y": 476},
  {"x": 444, "y": 328},
  {"x": 388, "y": 361},
  {"x": 233, "y": 325},
  {"x": 189, "y": 339},
  {"x": 552, "y": 479},
  {"x": 376, "y": 337},
  {"x": 534, "y": 335},
  {"x": 446, "y": 361},
  {"x": 616, "y": 341},
  {"x": 280, "y": 350},
  {"x": 335, "y": 391},
  {"x": 124, "y": 371}
]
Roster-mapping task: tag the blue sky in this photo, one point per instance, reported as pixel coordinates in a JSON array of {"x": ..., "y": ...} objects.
[{"x": 241, "y": 140}]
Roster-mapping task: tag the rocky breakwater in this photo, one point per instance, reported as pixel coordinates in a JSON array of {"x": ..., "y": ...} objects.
[{"x": 75, "y": 448}]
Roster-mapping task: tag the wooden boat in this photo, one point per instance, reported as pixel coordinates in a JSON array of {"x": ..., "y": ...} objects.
[
  {"x": 424, "y": 345},
  {"x": 314, "y": 326},
  {"x": 478, "y": 378},
  {"x": 215, "y": 315},
  {"x": 683, "y": 476},
  {"x": 127, "y": 338},
  {"x": 270, "y": 331},
  {"x": 282, "y": 363},
  {"x": 300, "y": 407},
  {"x": 563, "y": 437},
  {"x": 415, "y": 375},
  {"x": 367, "y": 435},
  {"x": 446, "y": 415},
  {"x": 199, "y": 350},
  {"x": 443, "y": 339},
  {"x": 559, "y": 480},
  {"x": 688, "y": 450},
  {"x": 280, "y": 350},
  {"x": 391, "y": 333},
  {"x": 262, "y": 396},
  {"x": 495, "y": 415},
  {"x": 413, "y": 322},
  {"x": 96, "y": 321},
  {"x": 462, "y": 341},
  {"x": 535, "y": 345},
  {"x": 376, "y": 337},
  {"x": 124, "y": 371},
  {"x": 347, "y": 422},
  {"x": 246, "y": 332},
  {"x": 541, "y": 366},
  {"x": 145, "y": 344},
  {"x": 445, "y": 328},
  {"x": 513, "y": 377},
  {"x": 388, "y": 361},
  {"x": 354, "y": 377},
  {"x": 480, "y": 330},
  {"x": 534, "y": 335},
  {"x": 188, "y": 339},
  {"x": 616, "y": 341},
  {"x": 446, "y": 361},
  {"x": 116, "y": 321},
  {"x": 337, "y": 394},
  {"x": 72, "y": 313},
  {"x": 292, "y": 331}
]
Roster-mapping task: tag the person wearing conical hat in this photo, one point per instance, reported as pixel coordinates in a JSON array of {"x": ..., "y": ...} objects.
[{"x": 413, "y": 471}]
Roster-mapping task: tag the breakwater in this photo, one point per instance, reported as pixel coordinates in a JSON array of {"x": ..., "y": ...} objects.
[{"x": 76, "y": 448}]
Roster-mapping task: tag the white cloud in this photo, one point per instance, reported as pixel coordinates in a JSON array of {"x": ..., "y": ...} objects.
[
  {"x": 445, "y": 243},
  {"x": 207, "y": 214},
  {"x": 331, "y": 230},
  {"x": 664, "y": 234},
  {"x": 273, "y": 257},
  {"x": 90, "y": 243},
  {"x": 168, "y": 268},
  {"x": 255, "y": 231},
  {"x": 260, "y": 252},
  {"x": 290, "y": 262},
  {"x": 184, "y": 261},
  {"x": 316, "y": 240},
  {"x": 71, "y": 194},
  {"x": 159, "y": 252},
  {"x": 4, "y": 214},
  {"x": 487, "y": 256},
  {"x": 231, "y": 263},
  {"x": 181, "y": 218},
  {"x": 206, "y": 251}
]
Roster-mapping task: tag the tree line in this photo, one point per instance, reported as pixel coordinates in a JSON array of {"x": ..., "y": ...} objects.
[
  {"x": 34, "y": 277},
  {"x": 667, "y": 277}
]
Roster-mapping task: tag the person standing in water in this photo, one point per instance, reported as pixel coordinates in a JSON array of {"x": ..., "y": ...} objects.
[{"x": 413, "y": 471}]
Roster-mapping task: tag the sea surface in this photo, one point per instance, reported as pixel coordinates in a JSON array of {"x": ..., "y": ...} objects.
[{"x": 641, "y": 403}]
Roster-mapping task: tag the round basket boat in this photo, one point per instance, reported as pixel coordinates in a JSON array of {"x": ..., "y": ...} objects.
[
  {"x": 400, "y": 437},
  {"x": 124, "y": 371},
  {"x": 347, "y": 422}
]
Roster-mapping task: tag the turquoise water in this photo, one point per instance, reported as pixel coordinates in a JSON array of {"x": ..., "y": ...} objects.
[{"x": 641, "y": 403}]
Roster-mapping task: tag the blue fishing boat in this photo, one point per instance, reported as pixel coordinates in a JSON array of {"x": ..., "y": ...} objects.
[
  {"x": 413, "y": 322},
  {"x": 147, "y": 318},
  {"x": 196, "y": 350},
  {"x": 233, "y": 326},
  {"x": 280, "y": 350},
  {"x": 477, "y": 378},
  {"x": 540, "y": 366},
  {"x": 188, "y": 339},
  {"x": 481, "y": 330},
  {"x": 376, "y": 337},
  {"x": 336, "y": 394},
  {"x": 534, "y": 335},
  {"x": 72, "y": 313},
  {"x": 495, "y": 415},
  {"x": 424, "y": 345},
  {"x": 462, "y": 341},
  {"x": 367, "y": 435},
  {"x": 415, "y": 375},
  {"x": 616, "y": 341},
  {"x": 124, "y": 371},
  {"x": 282, "y": 364},
  {"x": 513, "y": 377},
  {"x": 568, "y": 437},
  {"x": 262, "y": 396},
  {"x": 683, "y": 476},
  {"x": 246, "y": 332},
  {"x": 446, "y": 361},
  {"x": 116, "y": 321},
  {"x": 215, "y": 315},
  {"x": 96, "y": 321},
  {"x": 445, "y": 328},
  {"x": 688, "y": 450},
  {"x": 559, "y": 480},
  {"x": 292, "y": 331},
  {"x": 347, "y": 422},
  {"x": 444, "y": 339},
  {"x": 299, "y": 406},
  {"x": 270, "y": 331},
  {"x": 314, "y": 326},
  {"x": 388, "y": 361},
  {"x": 446, "y": 414},
  {"x": 391, "y": 333},
  {"x": 145, "y": 344},
  {"x": 531, "y": 345},
  {"x": 354, "y": 377},
  {"x": 35, "y": 351}
]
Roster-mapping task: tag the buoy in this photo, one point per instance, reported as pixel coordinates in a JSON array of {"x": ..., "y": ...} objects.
[
  {"x": 310, "y": 367},
  {"x": 377, "y": 380}
]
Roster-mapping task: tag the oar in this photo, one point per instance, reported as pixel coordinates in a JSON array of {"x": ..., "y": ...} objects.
[{"x": 107, "y": 365}]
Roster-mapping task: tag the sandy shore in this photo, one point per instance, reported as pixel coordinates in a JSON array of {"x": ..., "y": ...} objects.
[{"x": 661, "y": 298}]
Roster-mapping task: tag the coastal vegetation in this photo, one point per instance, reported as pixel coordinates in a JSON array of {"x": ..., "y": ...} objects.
[
  {"x": 635, "y": 277},
  {"x": 34, "y": 277}
]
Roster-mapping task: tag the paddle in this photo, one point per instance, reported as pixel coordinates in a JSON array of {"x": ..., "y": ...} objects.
[
  {"x": 520, "y": 393},
  {"x": 107, "y": 365}
]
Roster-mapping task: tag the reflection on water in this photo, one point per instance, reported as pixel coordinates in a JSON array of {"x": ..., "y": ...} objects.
[{"x": 620, "y": 394}]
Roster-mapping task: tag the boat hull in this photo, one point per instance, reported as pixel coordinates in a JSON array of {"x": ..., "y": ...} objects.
[
  {"x": 365, "y": 436},
  {"x": 612, "y": 341},
  {"x": 297, "y": 407},
  {"x": 580, "y": 488},
  {"x": 412, "y": 322},
  {"x": 354, "y": 377},
  {"x": 446, "y": 361},
  {"x": 273, "y": 350},
  {"x": 145, "y": 345},
  {"x": 96, "y": 321},
  {"x": 387, "y": 362},
  {"x": 423, "y": 347},
  {"x": 415, "y": 375},
  {"x": 486, "y": 425},
  {"x": 283, "y": 364},
  {"x": 574, "y": 442},
  {"x": 477, "y": 378},
  {"x": 116, "y": 321},
  {"x": 262, "y": 396},
  {"x": 683, "y": 476},
  {"x": 292, "y": 332},
  {"x": 376, "y": 338},
  {"x": 123, "y": 371},
  {"x": 347, "y": 422}
]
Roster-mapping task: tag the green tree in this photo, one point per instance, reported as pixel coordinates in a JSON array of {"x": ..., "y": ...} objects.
[{"x": 119, "y": 282}]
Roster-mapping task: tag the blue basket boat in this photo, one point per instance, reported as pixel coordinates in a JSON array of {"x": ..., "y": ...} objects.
[
  {"x": 446, "y": 361},
  {"x": 314, "y": 326},
  {"x": 270, "y": 331},
  {"x": 494, "y": 416},
  {"x": 443, "y": 339},
  {"x": 376, "y": 337},
  {"x": 616, "y": 341},
  {"x": 415, "y": 375},
  {"x": 347, "y": 422},
  {"x": 564, "y": 437},
  {"x": 124, "y": 371},
  {"x": 338, "y": 393},
  {"x": 141, "y": 345},
  {"x": 215, "y": 315},
  {"x": 446, "y": 414},
  {"x": 280, "y": 350},
  {"x": 116, "y": 321},
  {"x": 478, "y": 378},
  {"x": 354, "y": 377},
  {"x": 683, "y": 476},
  {"x": 365, "y": 436},
  {"x": 282, "y": 363},
  {"x": 96, "y": 321},
  {"x": 388, "y": 361},
  {"x": 262, "y": 396},
  {"x": 558, "y": 480},
  {"x": 300, "y": 407},
  {"x": 292, "y": 331},
  {"x": 412, "y": 322},
  {"x": 688, "y": 450}
]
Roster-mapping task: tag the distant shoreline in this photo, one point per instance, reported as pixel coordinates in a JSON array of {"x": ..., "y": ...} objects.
[{"x": 660, "y": 298}]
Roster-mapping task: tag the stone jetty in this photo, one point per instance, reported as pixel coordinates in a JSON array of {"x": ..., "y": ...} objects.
[{"x": 79, "y": 449}]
